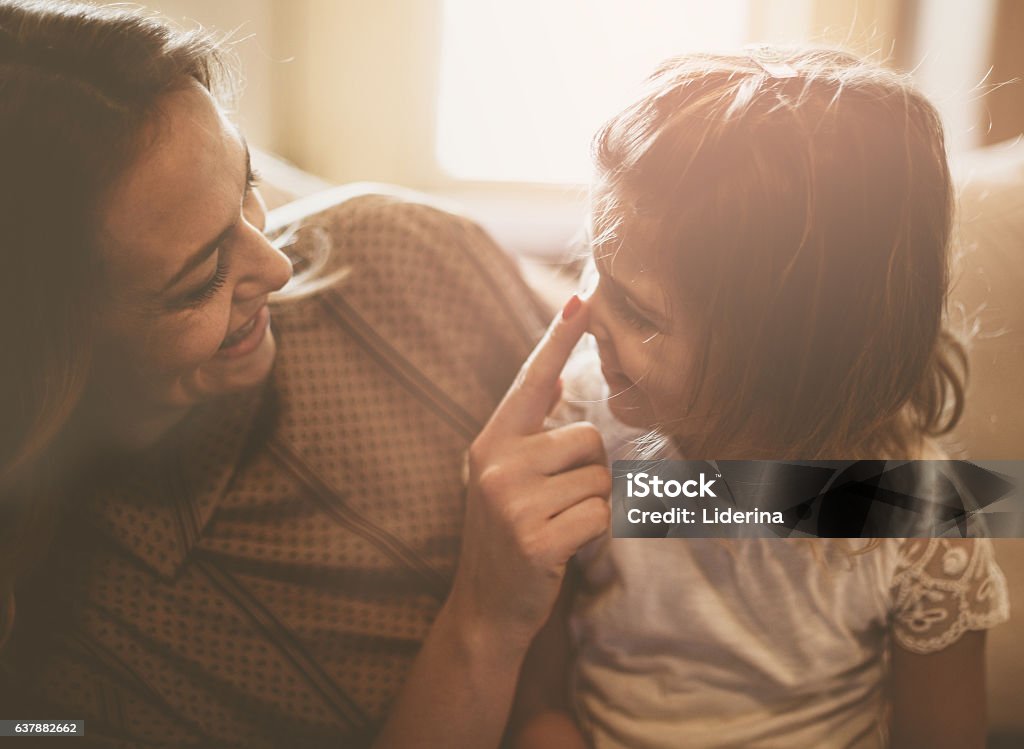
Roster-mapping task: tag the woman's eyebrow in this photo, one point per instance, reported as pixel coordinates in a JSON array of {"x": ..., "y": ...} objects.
[{"x": 203, "y": 253}]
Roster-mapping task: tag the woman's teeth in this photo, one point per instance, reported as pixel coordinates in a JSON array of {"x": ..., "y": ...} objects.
[{"x": 239, "y": 334}]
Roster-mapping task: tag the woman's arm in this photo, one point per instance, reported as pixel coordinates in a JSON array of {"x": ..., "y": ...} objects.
[
  {"x": 460, "y": 688},
  {"x": 535, "y": 497},
  {"x": 939, "y": 698},
  {"x": 541, "y": 717}
]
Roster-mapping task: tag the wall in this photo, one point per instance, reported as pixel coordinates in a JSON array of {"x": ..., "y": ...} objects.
[{"x": 250, "y": 24}]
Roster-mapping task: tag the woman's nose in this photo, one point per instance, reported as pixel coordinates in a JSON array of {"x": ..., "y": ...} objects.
[
  {"x": 279, "y": 267},
  {"x": 267, "y": 270}
]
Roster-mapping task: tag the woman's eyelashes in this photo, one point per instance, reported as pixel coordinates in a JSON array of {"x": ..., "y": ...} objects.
[
  {"x": 216, "y": 282},
  {"x": 209, "y": 289}
]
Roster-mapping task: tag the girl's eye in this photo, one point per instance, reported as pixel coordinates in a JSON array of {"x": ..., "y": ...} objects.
[
  {"x": 209, "y": 289},
  {"x": 630, "y": 314}
]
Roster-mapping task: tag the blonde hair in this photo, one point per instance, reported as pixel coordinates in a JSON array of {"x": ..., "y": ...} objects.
[{"x": 800, "y": 202}]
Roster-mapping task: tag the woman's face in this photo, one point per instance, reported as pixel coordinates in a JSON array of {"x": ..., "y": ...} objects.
[
  {"x": 646, "y": 355},
  {"x": 187, "y": 268}
]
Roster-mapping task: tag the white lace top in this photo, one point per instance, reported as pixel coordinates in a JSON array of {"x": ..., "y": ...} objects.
[
  {"x": 943, "y": 587},
  {"x": 759, "y": 643}
]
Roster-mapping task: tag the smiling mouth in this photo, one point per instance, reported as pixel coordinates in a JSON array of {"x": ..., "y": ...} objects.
[{"x": 242, "y": 332}]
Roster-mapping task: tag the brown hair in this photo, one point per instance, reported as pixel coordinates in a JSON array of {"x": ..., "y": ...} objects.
[
  {"x": 801, "y": 204},
  {"x": 77, "y": 84}
]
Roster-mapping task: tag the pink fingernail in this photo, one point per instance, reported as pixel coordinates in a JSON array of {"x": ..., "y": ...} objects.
[{"x": 571, "y": 307}]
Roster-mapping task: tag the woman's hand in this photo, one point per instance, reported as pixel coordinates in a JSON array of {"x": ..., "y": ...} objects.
[{"x": 535, "y": 496}]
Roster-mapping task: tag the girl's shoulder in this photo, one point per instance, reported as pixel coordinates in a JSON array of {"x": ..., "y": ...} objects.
[{"x": 944, "y": 587}]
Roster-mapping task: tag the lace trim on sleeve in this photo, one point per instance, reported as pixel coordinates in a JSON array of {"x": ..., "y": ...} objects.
[{"x": 944, "y": 587}]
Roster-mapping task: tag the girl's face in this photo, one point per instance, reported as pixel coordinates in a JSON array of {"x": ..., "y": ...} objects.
[
  {"x": 187, "y": 269},
  {"x": 645, "y": 353}
]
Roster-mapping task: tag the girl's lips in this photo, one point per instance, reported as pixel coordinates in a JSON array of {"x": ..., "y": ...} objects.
[{"x": 248, "y": 337}]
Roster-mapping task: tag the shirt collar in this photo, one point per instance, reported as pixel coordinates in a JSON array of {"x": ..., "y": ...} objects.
[{"x": 155, "y": 505}]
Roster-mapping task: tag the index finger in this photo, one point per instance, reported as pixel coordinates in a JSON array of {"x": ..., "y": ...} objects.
[{"x": 526, "y": 404}]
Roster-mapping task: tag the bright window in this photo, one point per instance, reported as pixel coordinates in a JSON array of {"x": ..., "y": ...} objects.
[{"x": 526, "y": 84}]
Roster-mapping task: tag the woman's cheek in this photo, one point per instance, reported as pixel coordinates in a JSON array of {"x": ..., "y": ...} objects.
[{"x": 194, "y": 342}]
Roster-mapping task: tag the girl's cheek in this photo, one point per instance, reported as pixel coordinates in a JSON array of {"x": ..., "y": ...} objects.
[{"x": 635, "y": 360}]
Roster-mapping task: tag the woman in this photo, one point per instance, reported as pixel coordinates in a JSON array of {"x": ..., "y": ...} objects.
[{"x": 220, "y": 532}]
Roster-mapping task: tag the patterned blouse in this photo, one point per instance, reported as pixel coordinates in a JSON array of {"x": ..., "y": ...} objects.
[{"x": 265, "y": 576}]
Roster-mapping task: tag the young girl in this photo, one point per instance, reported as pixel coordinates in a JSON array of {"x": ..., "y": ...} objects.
[{"x": 771, "y": 232}]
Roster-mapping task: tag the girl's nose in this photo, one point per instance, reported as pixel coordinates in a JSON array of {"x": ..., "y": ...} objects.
[{"x": 596, "y": 326}]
